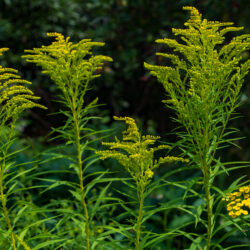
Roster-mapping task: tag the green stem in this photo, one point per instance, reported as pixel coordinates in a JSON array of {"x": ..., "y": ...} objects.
[
  {"x": 207, "y": 173},
  {"x": 79, "y": 158},
  {"x": 209, "y": 208},
  {"x": 3, "y": 201},
  {"x": 5, "y": 210},
  {"x": 139, "y": 218},
  {"x": 207, "y": 176}
]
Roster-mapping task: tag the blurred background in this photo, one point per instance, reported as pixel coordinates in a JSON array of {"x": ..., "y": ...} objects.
[{"x": 129, "y": 29}]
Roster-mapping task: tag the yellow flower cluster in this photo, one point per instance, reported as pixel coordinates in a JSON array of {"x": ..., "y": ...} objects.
[
  {"x": 2, "y": 50},
  {"x": 149, "y": 173},
  {"x": 134, "y": 154},
  {"x": 195, "y": 17},
  {"x": 238, "y": 202},
  {"x": 14, "y": 96},
  {"x": 62, "y": 59},
  {"x": 197, "y": 46},
  {"x": 70, "y": 66}
]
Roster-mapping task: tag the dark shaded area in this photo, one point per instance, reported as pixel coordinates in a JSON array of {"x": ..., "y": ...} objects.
[{"x": 129, "y": 29}]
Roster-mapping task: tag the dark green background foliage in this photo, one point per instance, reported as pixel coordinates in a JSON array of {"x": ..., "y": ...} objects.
[{"x": 129, "y": 29}]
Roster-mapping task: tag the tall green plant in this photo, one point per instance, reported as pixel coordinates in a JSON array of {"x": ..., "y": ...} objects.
[
  {"x": 136, "y": 154},
  {"x": 203, "y": 82},
  {"x": 72, "y": 67},
  {"x": 15, "y": 97}
]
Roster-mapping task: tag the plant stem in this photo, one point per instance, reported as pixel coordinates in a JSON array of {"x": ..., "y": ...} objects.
[
  {"x": 207, "y": 173},
  {"x": 209, "y": 207},
  {"x": 79, "y": 159},
  {"x": 5, "y": 210},
  {"x": 139, "y": 218}
]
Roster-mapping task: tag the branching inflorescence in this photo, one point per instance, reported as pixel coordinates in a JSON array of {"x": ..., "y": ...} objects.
[
  {"x": 70, "y": 66},
  {"x": 135, "y": 154},
  {"x": 205, "y": 74},
  {"x": 14, "y": 96}
]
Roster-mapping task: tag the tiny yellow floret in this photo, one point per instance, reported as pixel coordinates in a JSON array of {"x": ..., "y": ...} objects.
[{"x": 149, "y": 173}]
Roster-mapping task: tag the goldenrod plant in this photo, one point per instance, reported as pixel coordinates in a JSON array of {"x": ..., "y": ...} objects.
[
  {"x": 72, "y": 67},
  {"x": 15, "y": 98},
  {"x": 203, "y": 80},
  {"x": 135, "y": 152}
]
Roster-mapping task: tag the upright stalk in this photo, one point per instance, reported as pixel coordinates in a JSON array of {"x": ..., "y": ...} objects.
[
  {"x": 209, "y": 205},
  {"x": 79, "y": 159},
  {"x": 207, "y": 174},
  {"x": 139, "y": 218},
  {"x": 3, "y": 201},
  {"x": 5, "y": 210}
]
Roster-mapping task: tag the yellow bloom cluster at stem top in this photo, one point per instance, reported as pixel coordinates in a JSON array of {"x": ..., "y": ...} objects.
[
  {"x": 135, "y": 152},
  {"x": 238, "y": 202}
]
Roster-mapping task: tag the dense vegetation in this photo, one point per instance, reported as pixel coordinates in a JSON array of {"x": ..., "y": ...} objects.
[{"x": 56, "y": 193}]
